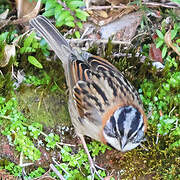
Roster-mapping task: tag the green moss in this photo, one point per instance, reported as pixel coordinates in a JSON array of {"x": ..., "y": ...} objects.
[
  {"x": 44, "y": 107},
  {"x": 158, "y": 162}
]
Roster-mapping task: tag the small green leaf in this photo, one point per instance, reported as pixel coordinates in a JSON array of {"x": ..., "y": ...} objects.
[
  {"x": 70, "y": 24},
  {"x": 35, "y": 62},
  {"x": 159, "y": 43},
  {"x": 69, "y": 18},
  {"x": 49, "y": 13},
  {"x": 164, "y": 51},
  {"x": 77, "y": 34},
  {"x": 176, "y": 1},
  {"x": 173, "y": 33},
  {"x": 62, "y": 17},
  {"x": 75, "y": 4},
  {"x": 81, "y": 14},
  {"x": 80, "y": 25},
  {"x": 159, "y": 33},
  {"x": 50, "y": 4},
  {"x": 4, "y": 36},
  {"x": 178, "y": 41},
  {"x": 58, "y": 11},
  {"x": 29, "y": 40},
  {"x": 59, "y": 23}
]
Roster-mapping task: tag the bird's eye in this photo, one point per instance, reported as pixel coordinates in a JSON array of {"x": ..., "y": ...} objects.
[
  {"x": 115, "y": 132},
  {"x": 110, "y": 128}
]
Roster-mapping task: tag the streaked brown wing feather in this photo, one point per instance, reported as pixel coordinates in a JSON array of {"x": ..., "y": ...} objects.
[{"x": 98, "y": 85}]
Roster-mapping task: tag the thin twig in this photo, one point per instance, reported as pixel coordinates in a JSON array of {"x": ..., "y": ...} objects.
[
  {"x": 143, "y": 147},
  {"x": 59, "y": 166},
  {"x": 106, "y": 7},
  {"x": 157, "y": 138},
  {"x": 156, "y": 4},
  {"x": 140, "y": 34},
  {"x": 64, "y": 144},
  {"x": 85, "y": 32},
  {"x": 98, "y": 41},
  {"x": 21, "y": 164},
  {"x": 122, "y": 6},
  {"x": 5, "y": 117},
  {"x": 172, "y": 110},
  {"x": 56, "y": 171}
]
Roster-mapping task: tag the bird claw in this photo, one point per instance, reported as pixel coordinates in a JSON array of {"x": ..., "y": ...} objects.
[{"x": 93, "y": 166}]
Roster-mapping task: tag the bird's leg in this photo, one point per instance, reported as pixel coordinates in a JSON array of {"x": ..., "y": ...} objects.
[{"x": 92, "y": 164}]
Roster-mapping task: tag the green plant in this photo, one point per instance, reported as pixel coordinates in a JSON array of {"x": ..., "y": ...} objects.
[
  {"x": 4, "y": 5},
  {"x": 162, "y": 98},
  {"x": 161, "y": 41},
  {"x": 25, "y": 135},
  {"x": 43, "y": 79},
  {"x": 15, "y": 130},
  {"x": 52, "y": 139},
  {"x": 66, "y": 12},
  {"x": 96, "y": 148},
  {"x": 74, "y": 165},
  {"x": 36, "y": 173},
  {"x": 31, "y": 45},
  {"x": 7, "y": 37},
  {"x": 14, "y": 169},
  {"x": 176, "y": 1}
]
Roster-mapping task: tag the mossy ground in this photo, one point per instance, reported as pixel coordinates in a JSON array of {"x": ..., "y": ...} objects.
[
  {"x": 46, "y": 108},
  {"x": 156, "y": 161},
  {"x": 44, "y": 100}
]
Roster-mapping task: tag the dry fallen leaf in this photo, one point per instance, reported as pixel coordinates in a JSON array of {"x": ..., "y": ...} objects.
[
  {"x": 169, "y": 43},
  {"x": 24, "y": 7},
  {"x": 9, "y": 51},
  {"x": 155, "y": 53},
  {"x": 106, "y": 17},
  {"x": 102, "y": 14},
  {"x": 32, "y": 12},
  {"x": 4, "y": 14}
]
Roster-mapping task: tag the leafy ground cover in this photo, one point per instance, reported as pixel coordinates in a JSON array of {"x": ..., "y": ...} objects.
[{"x": 36, "y": 131}]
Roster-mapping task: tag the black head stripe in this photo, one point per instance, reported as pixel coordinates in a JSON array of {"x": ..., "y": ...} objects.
[
  {"x": 135, "y": 123},
  {"x": 121, "y": 119}
]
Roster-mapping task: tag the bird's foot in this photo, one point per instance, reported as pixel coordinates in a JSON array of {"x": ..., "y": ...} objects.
[{"x": 94, "y": 170}]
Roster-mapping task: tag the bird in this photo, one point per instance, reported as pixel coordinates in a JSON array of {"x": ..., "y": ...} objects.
[{"x": 103, "y": 104}]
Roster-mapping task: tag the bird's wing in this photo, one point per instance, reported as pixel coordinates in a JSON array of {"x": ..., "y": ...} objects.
[{"x": 100, "y": 90}]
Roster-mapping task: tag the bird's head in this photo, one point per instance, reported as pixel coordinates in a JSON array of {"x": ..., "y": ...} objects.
[{"x": 125, "y": 129}]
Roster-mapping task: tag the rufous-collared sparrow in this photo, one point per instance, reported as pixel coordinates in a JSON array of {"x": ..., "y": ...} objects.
[{"x": 102, "y": 103}]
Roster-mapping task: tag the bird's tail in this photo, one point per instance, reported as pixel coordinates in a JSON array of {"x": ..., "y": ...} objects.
[{"x": 54, "y": 38}]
